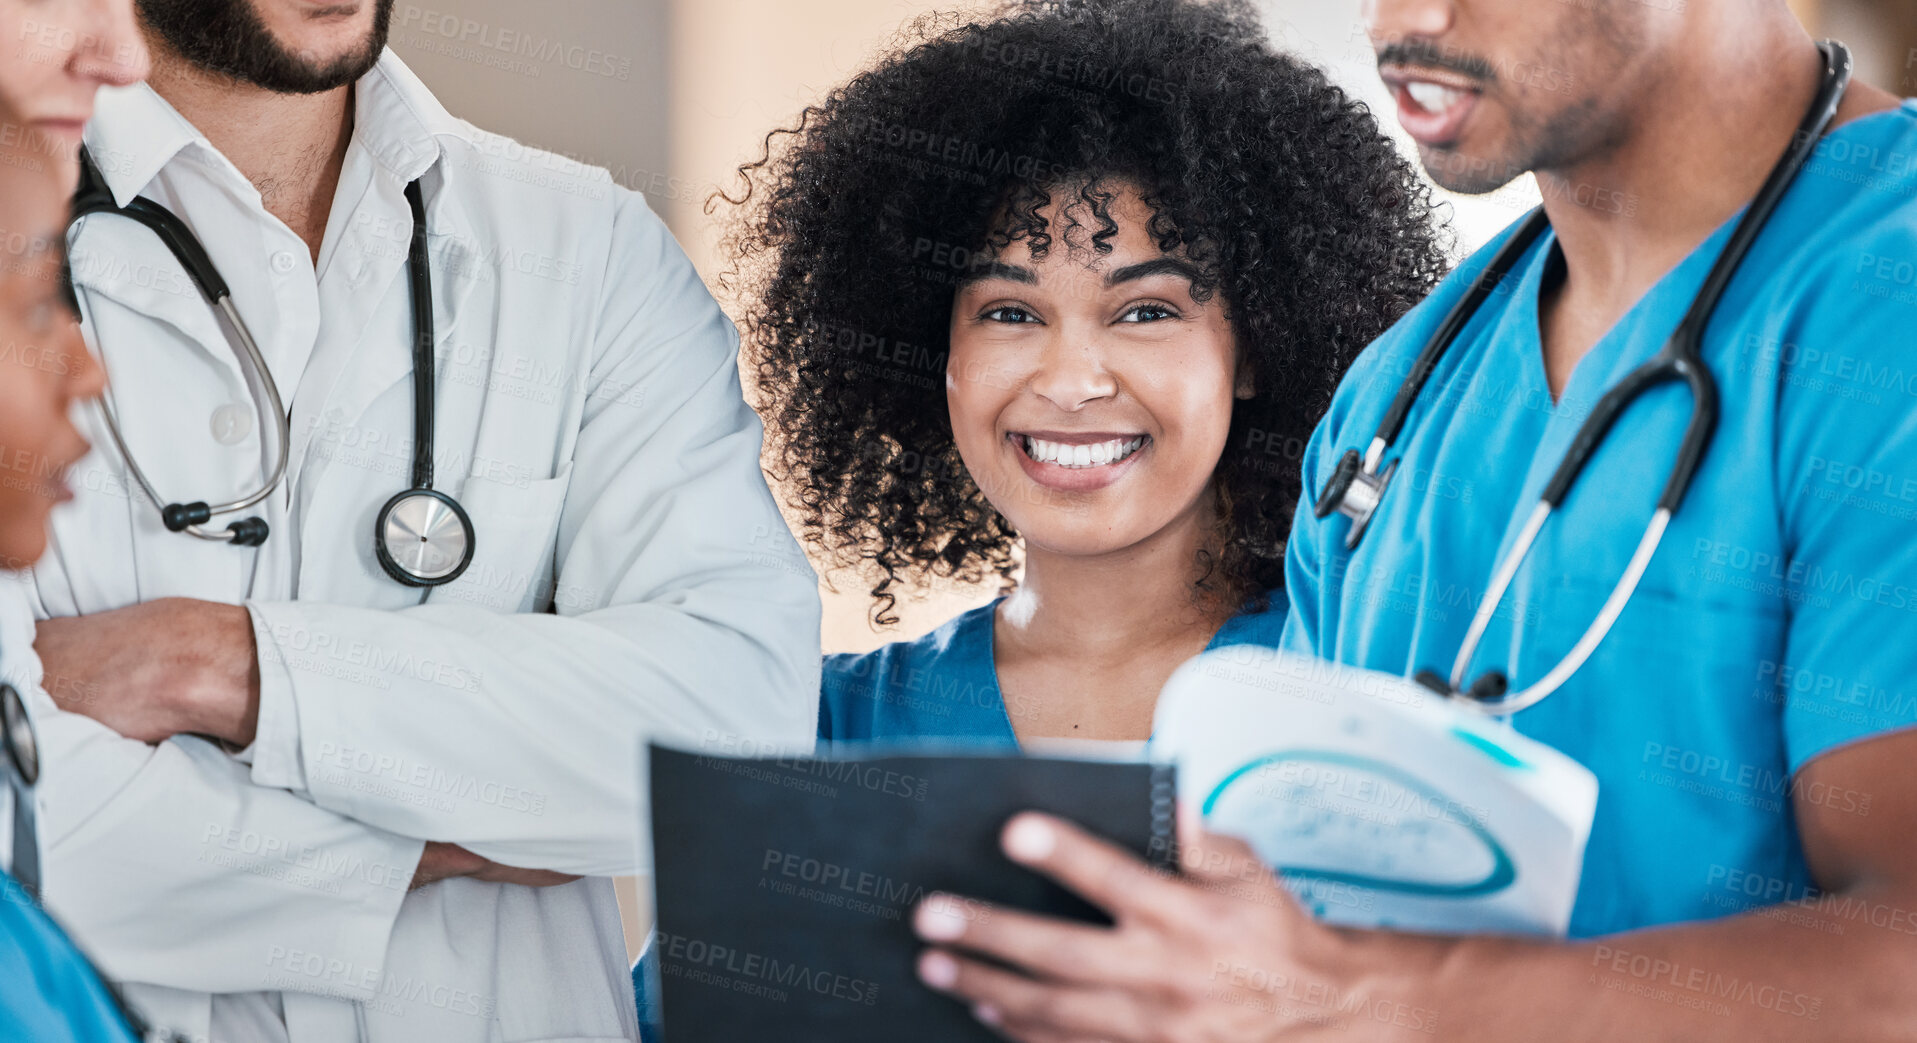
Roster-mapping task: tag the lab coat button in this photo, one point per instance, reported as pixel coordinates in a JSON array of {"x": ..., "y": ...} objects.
[
  {"x": 232, "y": 423},
  {"x": 283, "y": 262}
]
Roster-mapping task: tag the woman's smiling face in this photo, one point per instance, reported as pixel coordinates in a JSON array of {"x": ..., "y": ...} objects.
[{"x": 1090, "y": 394}]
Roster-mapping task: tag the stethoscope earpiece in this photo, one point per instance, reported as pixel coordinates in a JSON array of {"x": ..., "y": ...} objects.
[
  {"x": 179, "y": 517},
  {"x": 249, "y": 532},
  {"x": 1487, "y": 689}
]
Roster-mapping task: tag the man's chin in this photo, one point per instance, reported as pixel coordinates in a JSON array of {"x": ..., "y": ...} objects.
[
  {"x": 1455, "y": 169},
  {"x": 228, "y": 38},
  {"x": 321, "y": 76}
]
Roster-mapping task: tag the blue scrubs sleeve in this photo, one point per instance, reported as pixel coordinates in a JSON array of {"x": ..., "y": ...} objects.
[
  {"x": 1340, "y": 429},
  {"x": 1847, "y": 458},
  {"x": 49, "y": 993},
  {"x": 1304, "y": 556}
]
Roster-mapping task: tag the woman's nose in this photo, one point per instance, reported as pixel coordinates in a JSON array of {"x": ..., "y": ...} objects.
[
  {"x": 108, "y": 47},
  {"x": 86, "y": 378},
  {"x": 1072, "y": 372}
]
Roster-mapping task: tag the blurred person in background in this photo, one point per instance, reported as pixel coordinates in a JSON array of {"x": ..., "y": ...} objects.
[
  {"x": 56, "y": 56},
  {"x": 48, "y": 990}
]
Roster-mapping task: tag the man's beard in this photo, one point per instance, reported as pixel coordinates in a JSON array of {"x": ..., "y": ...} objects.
[{"x": 227, "y": 37}]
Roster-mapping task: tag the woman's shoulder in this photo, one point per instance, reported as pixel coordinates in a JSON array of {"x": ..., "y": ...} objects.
[
  {"x": 941, "y": 683},
  {"x": 946, "y": 640},
  {"x": 1261, "y": 622}
]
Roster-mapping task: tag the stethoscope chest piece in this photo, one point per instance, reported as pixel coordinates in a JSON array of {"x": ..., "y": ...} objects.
[
  {"x": 22, "y": 749},
  {"x": 423, "y": 538},
  {"x": 21, "y": 771},
  {"x": 1354, "y": 492}
]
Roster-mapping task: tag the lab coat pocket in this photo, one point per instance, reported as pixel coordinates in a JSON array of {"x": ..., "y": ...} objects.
[{"x": 515, "y": 529}]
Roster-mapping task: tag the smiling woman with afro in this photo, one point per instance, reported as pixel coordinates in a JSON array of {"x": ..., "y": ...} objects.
[
  {"x": 1056, "y": 296},
  {"x": 1294, "y": 208}
]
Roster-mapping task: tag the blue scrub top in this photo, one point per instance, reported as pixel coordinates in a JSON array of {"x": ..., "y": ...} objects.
[
  {"x": 1778, "y": 619},
  {"x": 941, "y": 688},
  {"x": 49, "y": 993},
  {"x": 944, "y": 686}
]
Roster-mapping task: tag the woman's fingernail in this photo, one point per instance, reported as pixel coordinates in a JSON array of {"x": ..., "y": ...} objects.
[
  {"x": 1029, "y": 839},
  {"x": 938, "y": 919},
  {"x": 986, "y": 1013},
  {"x": 938, "y": 970}
]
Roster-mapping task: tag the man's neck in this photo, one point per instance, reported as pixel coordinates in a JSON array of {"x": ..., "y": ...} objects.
[
  {"x": 290, "y": 146},
  {"x": 1697, "y": 153}
]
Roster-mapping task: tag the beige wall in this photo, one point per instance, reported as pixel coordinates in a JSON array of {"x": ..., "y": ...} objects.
[
  {"x": 739, "y": 69},
  {"x": 695, "y": 85},
  {"x": 587, "y": 78}
]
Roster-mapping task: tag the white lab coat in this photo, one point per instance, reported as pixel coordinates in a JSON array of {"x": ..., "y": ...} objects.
[{"x": 632, "y": 578}]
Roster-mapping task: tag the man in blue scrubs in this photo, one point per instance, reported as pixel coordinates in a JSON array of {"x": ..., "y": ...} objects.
[{"x": 1752, "y": 871}]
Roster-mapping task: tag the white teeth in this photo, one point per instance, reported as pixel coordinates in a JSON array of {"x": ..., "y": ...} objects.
[
  {"x": 1432, "y": 97},
  {"x": 1077, "y": 456}
]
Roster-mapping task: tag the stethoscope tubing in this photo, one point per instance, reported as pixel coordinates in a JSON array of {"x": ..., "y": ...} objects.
[
  {"x": 274, "y": 411},
  {"x": 1680, "y": 360},
  {"x": 419, "y": 273},
  {"x": 95, "y": 198},
  {"x": 1482, "y": 286}
]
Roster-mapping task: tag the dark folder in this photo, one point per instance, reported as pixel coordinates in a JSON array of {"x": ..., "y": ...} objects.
[{"x": 785, "y": 886}]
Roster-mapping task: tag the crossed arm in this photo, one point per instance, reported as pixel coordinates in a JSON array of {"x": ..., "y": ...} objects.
[
  {"x": 1224, "y": 953},
  {"x": 181, "y": 666},
  {"x": 698, "y": 618}
]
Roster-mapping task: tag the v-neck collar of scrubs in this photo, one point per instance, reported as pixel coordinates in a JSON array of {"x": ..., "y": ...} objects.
[
  {"x": 1619, "y": 350},
  {"x": 1688, "y": 273},
  {"x": 977, "y": 646}
]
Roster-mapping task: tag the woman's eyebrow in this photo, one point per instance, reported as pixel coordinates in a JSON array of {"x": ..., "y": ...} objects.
[
  {"x": 1000, "y": 270},
  {"x": 1155, "y": 266}
]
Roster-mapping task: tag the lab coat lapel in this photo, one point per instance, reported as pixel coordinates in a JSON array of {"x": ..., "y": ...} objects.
[
  {"x": 367, "y": 301},
  {"x": 113, "y": 259}
]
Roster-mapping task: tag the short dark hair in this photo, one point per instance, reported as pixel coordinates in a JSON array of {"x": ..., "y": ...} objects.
[{"x": 858, "y": 223}]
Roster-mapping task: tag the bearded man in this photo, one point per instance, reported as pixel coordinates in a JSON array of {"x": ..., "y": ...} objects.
[{"x": 313, "y": 776}]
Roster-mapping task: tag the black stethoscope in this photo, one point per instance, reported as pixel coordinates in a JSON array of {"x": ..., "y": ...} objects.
[
  {"x": 422, "y": 537},
  {"x": 1357, "y": 485}
]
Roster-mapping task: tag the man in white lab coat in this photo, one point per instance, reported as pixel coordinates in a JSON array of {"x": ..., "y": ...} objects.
[{"x": 368, "y": 801}]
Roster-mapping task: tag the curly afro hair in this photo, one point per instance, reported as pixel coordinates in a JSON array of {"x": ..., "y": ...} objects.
[{"x": 857, "y": 225}]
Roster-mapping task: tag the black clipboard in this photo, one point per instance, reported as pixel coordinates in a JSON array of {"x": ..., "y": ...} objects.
[{"x": 785, "y": 886}]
